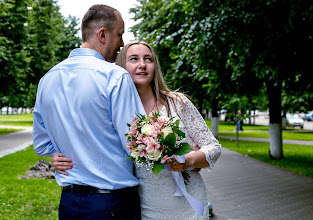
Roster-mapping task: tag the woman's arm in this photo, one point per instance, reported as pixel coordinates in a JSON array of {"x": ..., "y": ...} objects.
[
  {"x": 198, "y": 131},
  {"x": 196, "y": 160},
  {"x": 61, "y": 163}
]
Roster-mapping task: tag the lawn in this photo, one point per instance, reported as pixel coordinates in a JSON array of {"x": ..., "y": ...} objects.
[
  {"x": 260, "y": 131},
  {"x": 17, "y": 120},
  {"x": 26, "y": 199},
  {"x": 7, "y": 130}
]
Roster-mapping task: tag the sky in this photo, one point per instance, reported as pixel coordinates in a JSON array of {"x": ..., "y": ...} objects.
[{"x": 78, "y": 8}]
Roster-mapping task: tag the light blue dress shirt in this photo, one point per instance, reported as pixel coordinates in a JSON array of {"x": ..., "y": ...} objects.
[{"x": 82, "y": 108}]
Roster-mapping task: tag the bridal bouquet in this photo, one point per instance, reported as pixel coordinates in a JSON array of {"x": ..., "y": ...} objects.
[{"x": 154, "y": 139}]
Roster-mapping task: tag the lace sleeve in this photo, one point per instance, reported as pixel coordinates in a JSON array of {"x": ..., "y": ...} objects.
[{"x": 198, "y": 130}]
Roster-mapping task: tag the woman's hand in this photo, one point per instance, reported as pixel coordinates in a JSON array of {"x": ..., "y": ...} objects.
[
  {"x": 196, "y": 160},
  {"x": 61, "y": 163},
  {"x": 174, "y": 165}
]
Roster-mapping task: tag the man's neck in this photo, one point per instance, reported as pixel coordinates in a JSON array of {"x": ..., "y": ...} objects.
[{"x": 91, "y": 46}]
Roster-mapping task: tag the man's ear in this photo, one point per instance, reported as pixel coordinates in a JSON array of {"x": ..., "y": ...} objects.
[{"x": 102, "y": 35}]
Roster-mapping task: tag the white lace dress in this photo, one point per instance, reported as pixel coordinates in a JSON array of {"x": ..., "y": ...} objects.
[{"x": 156, "y": 191}]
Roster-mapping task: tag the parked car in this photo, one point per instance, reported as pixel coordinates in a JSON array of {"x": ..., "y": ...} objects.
[
  {"x": 308, "y": 117},
  {"x": 293, "y": 120}
]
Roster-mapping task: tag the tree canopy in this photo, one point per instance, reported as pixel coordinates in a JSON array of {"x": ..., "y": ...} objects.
[
  {"x": 234, "y": 51},
  {"x": 34, "y": 37}
]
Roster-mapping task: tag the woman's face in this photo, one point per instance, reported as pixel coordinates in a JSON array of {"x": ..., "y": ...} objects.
[{"x": 140, "y": 64}]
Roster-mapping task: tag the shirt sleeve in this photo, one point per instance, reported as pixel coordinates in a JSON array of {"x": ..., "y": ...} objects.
[
  {"x": 41, "y": 141},
  {"x": 125, "y": 105},
  {"x": 198, "y": 130}
]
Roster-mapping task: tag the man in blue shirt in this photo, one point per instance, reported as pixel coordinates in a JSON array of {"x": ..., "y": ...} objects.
[{"x": 82, "y": 108}]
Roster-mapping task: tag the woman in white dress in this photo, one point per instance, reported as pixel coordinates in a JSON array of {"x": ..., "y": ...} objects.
[{"x": 156, "y": 191}]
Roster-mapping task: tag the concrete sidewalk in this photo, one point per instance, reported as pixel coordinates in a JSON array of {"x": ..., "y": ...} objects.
[
  {"x": 243, "y": 188},
  {"x": 10, "y": 143}
]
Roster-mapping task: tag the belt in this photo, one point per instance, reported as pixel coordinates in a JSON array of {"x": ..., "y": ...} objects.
[{"x": 90, "y": 189}]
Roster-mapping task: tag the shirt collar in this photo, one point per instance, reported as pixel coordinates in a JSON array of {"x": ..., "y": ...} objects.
[{"x": 86, "y": 52}]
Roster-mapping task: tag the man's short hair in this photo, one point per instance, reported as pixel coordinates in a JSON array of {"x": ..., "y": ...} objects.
[{"x": 98, "y": 16}]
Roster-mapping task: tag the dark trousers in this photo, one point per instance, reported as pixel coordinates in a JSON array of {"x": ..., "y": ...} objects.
[{"x": 106, "y": 206}]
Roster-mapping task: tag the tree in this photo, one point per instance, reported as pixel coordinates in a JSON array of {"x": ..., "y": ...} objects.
[
  {"x": 234, "y": 48},
  {"x": 14, "y": 60},
  {"x": 34, "y": 37}
]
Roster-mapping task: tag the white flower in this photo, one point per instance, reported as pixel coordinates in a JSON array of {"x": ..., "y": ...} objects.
[
  {"x": 134, "y": 154},
  {"x": 166, "y": 131},
  {"x": 154, "y": 155},
  {"x": 148, "y": 130}
]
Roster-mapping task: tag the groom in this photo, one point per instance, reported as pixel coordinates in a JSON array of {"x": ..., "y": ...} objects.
[{"x": 82, "y": 108}]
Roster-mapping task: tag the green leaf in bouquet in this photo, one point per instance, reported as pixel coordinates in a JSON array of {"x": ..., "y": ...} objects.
[
  {"x": 130, "y": 158},
  {"x": 141, "y": 159},
  {"x": 170, "y": 140},
  {"x": 157, "y": 167},
  {"x": 176, "y": 123},
  {"x": 141, "y": 117},
  {"x": 161, "y": 139},
  {"x": 179, "y": 132},
  {"x": 183, "y": 149}
]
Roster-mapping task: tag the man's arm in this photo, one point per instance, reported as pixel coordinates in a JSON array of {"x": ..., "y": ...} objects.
[
  {"x": 125, "y": 104},
  {"x": 41, "y": 141}
]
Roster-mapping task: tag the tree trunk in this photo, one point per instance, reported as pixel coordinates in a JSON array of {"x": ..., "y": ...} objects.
[
  {"x": 215, "y": 118},
  {"x": 275, "y": 129},
  {"x": 253, "y": 117}
]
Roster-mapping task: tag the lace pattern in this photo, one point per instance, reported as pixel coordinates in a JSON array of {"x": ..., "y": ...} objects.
[
  {"x": 196, "y": 129},
  {"x": 156, "y": 191}
]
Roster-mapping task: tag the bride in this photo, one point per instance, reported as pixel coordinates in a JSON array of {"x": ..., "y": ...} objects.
[{"x": 157, "y": 191}]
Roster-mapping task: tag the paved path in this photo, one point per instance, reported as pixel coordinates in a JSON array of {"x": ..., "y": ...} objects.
[
  {"x": 243, "y": 188},
  {"x": 10, "y": 143}
]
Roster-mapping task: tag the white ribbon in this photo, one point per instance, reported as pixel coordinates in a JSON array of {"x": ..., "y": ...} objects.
[{"x": 197, "y": 206}]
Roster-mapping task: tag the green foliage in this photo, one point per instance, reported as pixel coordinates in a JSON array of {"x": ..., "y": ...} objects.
[
  {"x": 232, "y": 49},
  {"x": 170, "y": 140},
  {"x": 34, "y": 37},
  {"x": 157, "y": 168},
  {"x": 26, "y": 198},
  {"x": 184, "y": 149}
]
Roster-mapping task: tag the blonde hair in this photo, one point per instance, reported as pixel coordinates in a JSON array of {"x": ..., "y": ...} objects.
[{"x": 162, "y": 93}]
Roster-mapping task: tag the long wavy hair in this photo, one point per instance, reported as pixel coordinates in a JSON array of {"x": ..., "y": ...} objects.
[{"x": 162, "y": 93}]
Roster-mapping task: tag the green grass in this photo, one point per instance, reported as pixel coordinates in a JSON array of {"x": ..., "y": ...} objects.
[
  {"x": 297, "y": 158},
  {"x": 7, "y": 130},
  {"x": 17, "y": 117},
  {"x": 17, "y": 120},
  {"x": 260, "y": 131},
  {"x": 26, "y": 198}
]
